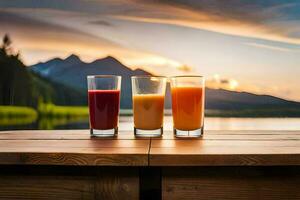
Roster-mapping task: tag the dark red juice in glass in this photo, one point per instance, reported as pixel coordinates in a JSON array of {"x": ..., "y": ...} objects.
[{"x": 104, "y": 106}]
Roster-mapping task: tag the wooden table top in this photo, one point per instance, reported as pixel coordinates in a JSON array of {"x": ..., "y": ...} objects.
[{"x": 215, "y": 148}]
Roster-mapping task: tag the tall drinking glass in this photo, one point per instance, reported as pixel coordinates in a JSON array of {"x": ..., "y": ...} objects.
[
  {"x": 188, "y": 105},
  {"x": 104, "y": 104},
  {"x": 148, "y": 97}
]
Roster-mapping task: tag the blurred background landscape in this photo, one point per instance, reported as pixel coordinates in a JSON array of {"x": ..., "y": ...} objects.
[{"x": 248, "y": 51}]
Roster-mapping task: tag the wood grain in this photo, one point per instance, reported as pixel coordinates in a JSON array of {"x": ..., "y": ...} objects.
[
  {"x": 220, "y": 148},
  {"x": 239, "y": 135},
  {"x": 46, "y": 187},
  {"x": 69, "y": 183},
  {"x": 63, "y": 135},
  {"x": 227, "y": 149},
  {"x": 117, "y": 184},
  {"x": 128, "y": 135},
  {"x": 32, "y": 149},
  {"x": 74, "y": 143},
  {"x": 230, "y": 183},
  {"x": 73, "y": 159}
]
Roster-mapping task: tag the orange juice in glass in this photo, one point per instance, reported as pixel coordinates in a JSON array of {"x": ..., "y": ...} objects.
[
  {"x": 188, "y": 96},
  {"x": 148, "y": 97}
]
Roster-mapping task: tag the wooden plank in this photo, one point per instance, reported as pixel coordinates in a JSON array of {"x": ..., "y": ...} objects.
[
  {"x": 191, "y": 143},
  {"x": 116, "y": 183},
  {"x": 112, "y": 159},
  {"x": 252, "y": 132},
  {"x": 230, "y": 183},
  {"x": 73, "y": 143},
  {"x": 75, "y": 152},
  {"x": 50, "y": 182},
  {"x": 72, "y": 147},
  {"x": 99, "y": 157},
  {"x": 214, "y": 148},
  {"x": 224, "y": 152},
  {"x": 225, "y": 160},
  {"x": 128, "y": 135},
  {"x": 238, "y": 135},
  {"x": 63, "y": 135},
  {"x": 46, "y": 187}
]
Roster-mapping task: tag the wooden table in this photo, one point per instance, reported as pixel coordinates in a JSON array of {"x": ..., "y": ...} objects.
[{"x": 68, "y": 164}]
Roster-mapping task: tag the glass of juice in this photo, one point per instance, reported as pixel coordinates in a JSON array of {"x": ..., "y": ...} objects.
[
  {"x": 104, "y": 104},
  {"x": 148, "y": 98},
  {"x": 188, "y": 96}
]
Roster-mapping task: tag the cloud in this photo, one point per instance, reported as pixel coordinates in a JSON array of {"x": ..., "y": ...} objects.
[
  {"x": 101, "y": 22},
  {"x": 39, "y": 40},
  {"x": 219, "y": 10},
  {"x": 275, "y": 20},
  {"x": 96, "y": 28},
  {"x": 25, "y": 25},
  {"x": 30, "y": 33},
  {"x": 237, "y": 18},
  {"x": 270, "y": 47},
  {"x": 218, "y": 82},
  {"x": 185, "y": 68}
]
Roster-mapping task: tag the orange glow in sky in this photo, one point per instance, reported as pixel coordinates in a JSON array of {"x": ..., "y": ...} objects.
[{"x": 237, "y": 46}]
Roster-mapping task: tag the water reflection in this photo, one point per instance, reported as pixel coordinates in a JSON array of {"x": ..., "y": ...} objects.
[
  {"x": 61, "y": 122},
  {"x": 126, "y": 123},
  {"x": 16, "y": 121},
  {"x": 43, "y": 123},
  {"x": 222, "y": 123}
]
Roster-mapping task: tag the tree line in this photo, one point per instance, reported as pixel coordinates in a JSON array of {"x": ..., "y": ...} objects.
[{"x": 22, "y": 87}]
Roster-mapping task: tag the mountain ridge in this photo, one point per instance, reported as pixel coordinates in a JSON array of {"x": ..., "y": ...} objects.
[{"x": 72, "y": 72}]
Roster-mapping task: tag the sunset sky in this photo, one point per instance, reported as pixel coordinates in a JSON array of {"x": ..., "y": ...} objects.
[{"x": 241, "y": 45}]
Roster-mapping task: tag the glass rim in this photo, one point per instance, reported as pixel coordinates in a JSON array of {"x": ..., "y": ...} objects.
[
  {"x": 104, "y": 76},
  {"x": 148, "y": 76},
  {"x": 187, "y": 76}
]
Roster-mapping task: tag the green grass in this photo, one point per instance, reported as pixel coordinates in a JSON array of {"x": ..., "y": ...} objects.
[
  {"x": 50, "y": 123},
  {"x": 51, "y": 110},
  {"x": 17, "y": 111},
  {"x": 17, "y": 115},
  {"x": 50, "y": 115}
]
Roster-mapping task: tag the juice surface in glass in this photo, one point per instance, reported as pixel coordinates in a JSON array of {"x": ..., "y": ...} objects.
[
  {"x": 148, "y": 111},
  {"x": 187, "y": 107},
  {"x": 104, "y": 108}
]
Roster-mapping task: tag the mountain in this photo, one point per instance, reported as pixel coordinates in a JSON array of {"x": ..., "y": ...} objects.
[
  {"x": 230, "y": 100},
  {"x": 72, "y": 72}
]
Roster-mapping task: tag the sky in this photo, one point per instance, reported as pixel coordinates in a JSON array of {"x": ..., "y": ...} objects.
[{"x": 241, "y": 45}]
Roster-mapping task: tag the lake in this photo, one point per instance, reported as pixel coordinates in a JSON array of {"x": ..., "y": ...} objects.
[
  {"x": 211, "y": 123},
  {"x": 217, "y": 123}
]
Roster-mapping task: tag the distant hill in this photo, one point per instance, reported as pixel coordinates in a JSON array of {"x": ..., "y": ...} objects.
[
  {"x": 230, "y": 100},
  {"x": 21, "y": 87},
  {"x": 72, "y": 73}
]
